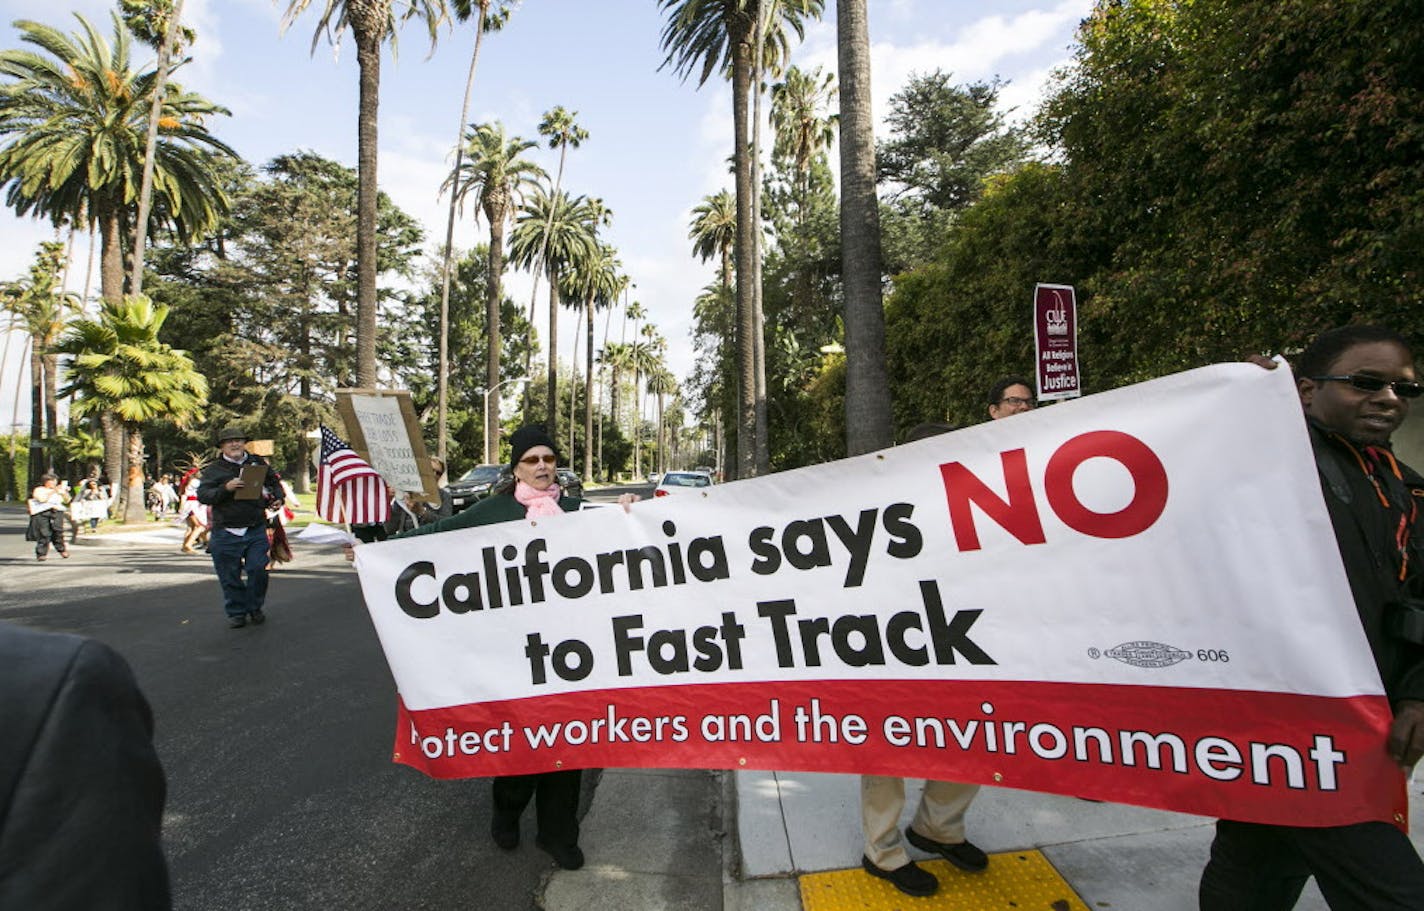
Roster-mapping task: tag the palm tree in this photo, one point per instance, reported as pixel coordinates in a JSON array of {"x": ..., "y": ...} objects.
[
  {"x": 38, "y": 304},
  {"x": 121, "y": 368},
  {"x": 486, "y": 22},
  {"x": 559, "y": 128},
  {"x": 867, "y": 396},
  {"x": 637, "y": 313},
  {"x": 552, "y": 233},
  {"x": 804, "y": 124},
  {"x": 713, "y": 231},
  {"x": 625, "y": 285},
  {"x": 618, "y": 356},
  {"x": 646, "y": 357},
  {"x": 661, "y": 383},
  {"x": 157, "y": 23},
  {"x": 70, "y": 122},
  {"x": 371, "y": 22},
  {"x": 599, "y": 277},
  {"x": 498, "y": 173},
  {"x": 719, "y": 35}
]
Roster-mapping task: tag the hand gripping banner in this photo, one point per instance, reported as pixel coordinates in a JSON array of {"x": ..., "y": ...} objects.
[{"x": 1135, "y": 596}]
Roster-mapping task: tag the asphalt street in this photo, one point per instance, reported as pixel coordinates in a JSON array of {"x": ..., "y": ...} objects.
[{"x": 276, "y": 739}]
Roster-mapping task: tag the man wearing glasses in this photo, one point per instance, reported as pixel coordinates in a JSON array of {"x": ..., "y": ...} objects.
[
  {"x": 1355, "y": 384},
  {"x": 1009, "y": 396}
]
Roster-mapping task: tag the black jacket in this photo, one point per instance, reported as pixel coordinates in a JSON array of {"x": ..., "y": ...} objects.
[
  {"x": 1366, "y": 531},
  {"x": 81, "y": 790},
  {"x": 227, "y": 511}
]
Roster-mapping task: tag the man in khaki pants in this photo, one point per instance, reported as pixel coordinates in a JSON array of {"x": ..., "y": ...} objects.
[{"x": 938, "y": 826}]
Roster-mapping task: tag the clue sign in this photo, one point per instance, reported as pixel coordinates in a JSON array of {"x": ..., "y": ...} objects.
[{"x": 1055, "y": 341}]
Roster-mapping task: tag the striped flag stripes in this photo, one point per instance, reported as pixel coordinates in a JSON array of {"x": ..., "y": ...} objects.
[{"x": 348, "y": 489}]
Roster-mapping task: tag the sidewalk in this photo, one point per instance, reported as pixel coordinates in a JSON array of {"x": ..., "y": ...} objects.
[{"x": 777, "y": 836}]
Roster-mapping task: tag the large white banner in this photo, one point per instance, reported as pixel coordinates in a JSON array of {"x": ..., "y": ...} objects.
[{"x": 1135, "y": 596}]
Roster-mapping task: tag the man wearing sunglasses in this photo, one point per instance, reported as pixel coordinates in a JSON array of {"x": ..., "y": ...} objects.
[{"x": 1356, "y": 384}]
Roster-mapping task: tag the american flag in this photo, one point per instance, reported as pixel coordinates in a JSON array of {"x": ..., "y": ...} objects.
[{"x": 348, "y": 489}]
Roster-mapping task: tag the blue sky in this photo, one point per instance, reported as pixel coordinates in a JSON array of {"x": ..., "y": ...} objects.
[{"x": 656, "y": 145}]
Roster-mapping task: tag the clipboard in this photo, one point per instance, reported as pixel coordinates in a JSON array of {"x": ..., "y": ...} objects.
[{"x": 253, "y": 475}]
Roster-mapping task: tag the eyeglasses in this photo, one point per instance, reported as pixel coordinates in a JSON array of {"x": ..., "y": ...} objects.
[
  {"x": 1014, "y": 400},
  {"x": 1405, "y": 389},
  {"x": 549, "y": 459}
]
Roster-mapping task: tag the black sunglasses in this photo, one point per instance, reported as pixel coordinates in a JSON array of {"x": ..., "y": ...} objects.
[{"x": 1405, "y": 389}]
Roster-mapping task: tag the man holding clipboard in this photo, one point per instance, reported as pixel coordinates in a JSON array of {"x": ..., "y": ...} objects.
[{"x": 238, "y": 487}]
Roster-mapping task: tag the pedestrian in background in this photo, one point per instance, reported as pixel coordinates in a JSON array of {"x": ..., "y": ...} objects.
[
  {"x": 47, "y": 511},
  {"x": 88, "y": 506},
  {"x": 238, "y": 542},
  {"x": 193, "y": 514}
]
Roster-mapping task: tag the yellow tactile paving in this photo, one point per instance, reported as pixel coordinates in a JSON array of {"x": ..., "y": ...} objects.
[{"x": 1015, "y": 881}]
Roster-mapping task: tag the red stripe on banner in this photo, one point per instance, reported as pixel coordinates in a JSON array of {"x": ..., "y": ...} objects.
[{"x": 1259, "y": 757}]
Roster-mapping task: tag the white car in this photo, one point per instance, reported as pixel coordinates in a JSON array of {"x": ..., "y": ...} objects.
[{"x": 682, "y": 482}]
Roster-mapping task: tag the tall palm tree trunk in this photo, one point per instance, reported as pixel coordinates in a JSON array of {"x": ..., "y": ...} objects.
[
  {"x": 111, "y": 290},
  {"x": 867, "y": 400},
  {"x": 746, "y": 262},
  {"x": 133, "y": 501},
  {"x": 446, "y": 266},
  {"x": 113, "y": 430},
  {"x": 368, "y": 59},
  {"x": 607, "y": 321},
  {"x": 662, "y": 438},
  {"x": 145, "y": 193},
  {"x": 492, "y": 335},
  {"x": 51, "y": 407},
  {"x": 573, "y": 387},
  {"x": 553, "y": 368},
  {"x": 37, "y": 410},
  {"x": 111, "y": 258},
  {"x": 88, "y": 271},
  {"x": 553, "y": 303},
  {"x": 763, "y": 452},
  {"x": 588, "y": 400}
]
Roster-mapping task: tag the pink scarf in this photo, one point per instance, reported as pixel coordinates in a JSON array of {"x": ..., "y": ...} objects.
[{"x": 538, "y": 502}]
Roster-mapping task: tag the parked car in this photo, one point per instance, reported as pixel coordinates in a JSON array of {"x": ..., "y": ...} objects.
[
  {"x": 570, "y": 482},
  {"x": 473, "y": 486},
  {"x": 682, "y": 482}
]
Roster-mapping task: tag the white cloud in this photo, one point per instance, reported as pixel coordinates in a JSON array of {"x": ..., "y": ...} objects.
[{"x": 989, "y": 46}]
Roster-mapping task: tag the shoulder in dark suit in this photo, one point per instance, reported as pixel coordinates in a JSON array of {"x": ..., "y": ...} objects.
[{"x": 81, "y": 788}]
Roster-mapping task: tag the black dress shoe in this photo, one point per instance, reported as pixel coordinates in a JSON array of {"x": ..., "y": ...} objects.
[
  {"x": 258, "y": 617},
  {"x": 237, "y": 622},
  {"x": 964, "y": 855},
  {"x": 569, "y": 857},
  {"x": 505, "y": 831},
  {"x": 909, "y": 879}
]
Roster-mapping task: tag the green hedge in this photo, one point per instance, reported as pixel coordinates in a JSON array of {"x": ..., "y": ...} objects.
[{"x": 14, "y": 469}]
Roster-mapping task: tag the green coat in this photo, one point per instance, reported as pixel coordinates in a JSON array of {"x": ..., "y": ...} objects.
[{"x": 500, "y": 507}]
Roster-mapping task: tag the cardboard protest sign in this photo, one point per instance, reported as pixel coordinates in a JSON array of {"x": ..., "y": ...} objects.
[
  {"x": 1104, "y": 599},
  {"x": 382, "y": 427}
]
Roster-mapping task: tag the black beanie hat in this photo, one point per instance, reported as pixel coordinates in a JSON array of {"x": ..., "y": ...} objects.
[{"x": 525, "y": 439}]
